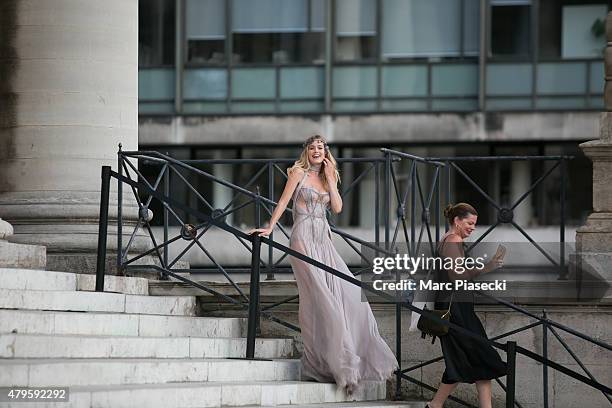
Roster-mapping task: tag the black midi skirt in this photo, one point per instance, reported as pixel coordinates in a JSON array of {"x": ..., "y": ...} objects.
[{"x": 468, "y": 360}]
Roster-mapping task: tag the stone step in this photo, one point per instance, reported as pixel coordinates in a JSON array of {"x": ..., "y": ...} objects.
[
  {"x": 70, "y": 346},
  {"x": 354, "y": 404},
  {"x": 86, "y": 372},
  {"x": 34, "y": 279},
  {"x": 96, "y": 302},
  {"x": 117, "y": 324},
  {"x": 207, "y": 394}
]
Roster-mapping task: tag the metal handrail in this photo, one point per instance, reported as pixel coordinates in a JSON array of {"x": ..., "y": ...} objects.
[{"x": 510, "y": 347}]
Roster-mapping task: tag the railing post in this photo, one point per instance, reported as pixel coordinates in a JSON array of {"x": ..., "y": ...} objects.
[
  {"x": 166, "y": 170},
  {"x": 120, "y": 214},
  {"x": 545, "y": 354},
  {"x": 562, "y": 271},
  {"x": 253, "y": 322},
  {"x": 103, "y": 228},
  {"x": 270, "y": 274},
  {"x": 511, "y": 376},
  {"x": 253, "y": 298},
  {"x": 387, "y": 197}
]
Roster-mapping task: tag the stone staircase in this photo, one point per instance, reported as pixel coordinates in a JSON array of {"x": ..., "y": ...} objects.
[{"x": 129, "y": 349}]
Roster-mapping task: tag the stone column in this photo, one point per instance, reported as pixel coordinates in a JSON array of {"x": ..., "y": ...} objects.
[
  {"x": 68, "y": 97},
  {"x": 594, "y": 239},
  {"x": 521, "y": 182}
]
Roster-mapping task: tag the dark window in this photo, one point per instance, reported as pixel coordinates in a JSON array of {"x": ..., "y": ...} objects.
[
  {"x": 156, "y": 32},
  {"x": 510, "y": 31},
  {"x": 279, "y": 47}
]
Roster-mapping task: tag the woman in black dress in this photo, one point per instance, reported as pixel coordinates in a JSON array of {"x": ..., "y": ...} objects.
[{"x": 467, "y": 360}]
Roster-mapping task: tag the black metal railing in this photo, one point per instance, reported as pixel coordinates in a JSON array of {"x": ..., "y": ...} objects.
[{"x": 421, "y": 200}]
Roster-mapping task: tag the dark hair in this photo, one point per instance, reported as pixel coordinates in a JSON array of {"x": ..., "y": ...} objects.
[{"x": 461, "y": 210}]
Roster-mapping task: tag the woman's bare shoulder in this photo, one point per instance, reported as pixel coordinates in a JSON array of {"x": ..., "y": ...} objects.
[
  {"x": 296, "y": 172},
  {"x": 453, "y": 238}
]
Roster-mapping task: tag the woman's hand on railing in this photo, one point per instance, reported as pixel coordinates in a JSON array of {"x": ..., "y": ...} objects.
[{"x": 262, "y": 232}]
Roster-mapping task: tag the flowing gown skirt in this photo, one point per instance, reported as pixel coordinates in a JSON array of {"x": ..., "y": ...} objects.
[{"x": 340, "y": 334}]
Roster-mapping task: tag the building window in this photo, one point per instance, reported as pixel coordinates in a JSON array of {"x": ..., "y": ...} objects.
[
  {"x": 205, "y": 31},
  {"x": 278, "y": 31},
  {"x": 572, "y": 29},
  {"x": 511, "y": 28},
  {"x": 355, "y": 30},
  {"x": 156, "y": 33},
  {"x": 430, "y": 28}
]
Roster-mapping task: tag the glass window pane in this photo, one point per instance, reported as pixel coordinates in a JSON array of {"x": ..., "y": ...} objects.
[
  {"x": 354, "y": 82},
  {"x": 302, "y": 83},
  {"x": 597, "y": 77},
  {"x": 354, "y": 106},
  {"x": 155, "y": 84},
  {"x": 155, "y": 107},
  {"x": 561, "y": 103},
  {"x": 404, "y": 106},
  {"x": 510, "y": 31},
  {"x": 253, "y": 83},
  {"x": 572, "y": 30},
  {"x": 561, "y": 78},
  {"x": 313, "y": 106},
  {"x": 454, "y": 80},
  {"x": 205, "y": 31},
  {"x": 509, "y": 79},
  {"x": 471, "y": 27},
  {"x": 318, "y": 11},
  {"x": 253, "y": 107},
  {"x": 269, "y": 16},
  {"x": 205, "y": 84},
  {"x": 204, "y": 107},
  {"x": 452, "y": 105},
  {"x": 355, "y": 17},
  {"x": 205, "y": 19},
  {"x": 355, "y": 30},
  {"x": 408, "y": 28},
  {"x": 596, "y": 103},
  {"x": 404, "y": 80},
  {"x": 156, "y": 32},
  {"x": 508, "y": 103},
  {"x": 578, "y": 37}
]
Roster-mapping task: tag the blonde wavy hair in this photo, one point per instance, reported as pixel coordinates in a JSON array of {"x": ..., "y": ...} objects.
[{"x": 303, "y": 163}]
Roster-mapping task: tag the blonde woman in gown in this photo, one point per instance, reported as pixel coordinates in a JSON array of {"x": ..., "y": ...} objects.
[{"x": 339, "y": 332}]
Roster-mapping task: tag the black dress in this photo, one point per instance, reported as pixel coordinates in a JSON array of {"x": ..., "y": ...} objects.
[{"x": 467, "y": 360}]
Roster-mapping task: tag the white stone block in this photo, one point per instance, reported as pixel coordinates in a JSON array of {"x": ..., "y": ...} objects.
[
  {"x": 179, "y": 326},
  {"x": 120, "y": 284},
  {"x": 169, "y": 395},
  {"x": 98, "y": 324},
  {"x": 11, "y": 278},
  {"x": 26, "y": 321},
  {"x": 161, "y": 305},
  {"x": 55, "y": 346},
  {"x": 240, "y": 394},
  {"x": 61, "y": 300},
  {"x": 277, "y": 394},
  {"x": 234, "y": 347}
]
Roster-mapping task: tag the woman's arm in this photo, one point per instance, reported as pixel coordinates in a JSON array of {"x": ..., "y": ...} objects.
[
  {"x": 335, "y": 201},
  {"x": 292, "y": 182},
  {"x": 453, "y": 248}
]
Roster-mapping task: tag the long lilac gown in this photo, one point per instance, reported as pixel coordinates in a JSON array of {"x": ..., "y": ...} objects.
[{"x": 340, "y": 334}]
